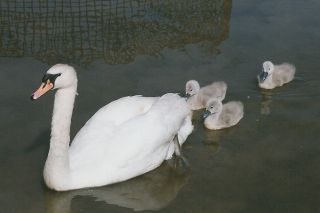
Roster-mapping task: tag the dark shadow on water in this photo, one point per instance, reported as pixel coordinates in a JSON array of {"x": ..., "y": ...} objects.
[{"x": 151, "y": 191}]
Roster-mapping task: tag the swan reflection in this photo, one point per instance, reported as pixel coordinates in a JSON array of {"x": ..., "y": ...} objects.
[{"x": 151, "y": 191}]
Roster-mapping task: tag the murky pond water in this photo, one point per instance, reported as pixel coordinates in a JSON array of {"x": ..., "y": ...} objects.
[{"x": 268, "y": 163}]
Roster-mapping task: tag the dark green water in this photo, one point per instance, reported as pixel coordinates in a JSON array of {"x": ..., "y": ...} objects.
[{"x": 270, "y": 162}]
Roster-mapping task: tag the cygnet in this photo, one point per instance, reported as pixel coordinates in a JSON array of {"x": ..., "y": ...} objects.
[
  {"x": 218, "y": 116},
  {"x": 275, "y": 75},
  {"x": 198, "y": 97}
]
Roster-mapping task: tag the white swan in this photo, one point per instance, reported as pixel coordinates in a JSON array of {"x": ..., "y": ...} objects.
[
  {"x": 124, "y": 139},
  {"x": 275, "y": 75},
  {"x": 218, "y": 116},
  {"x": 198, "y": 97}
]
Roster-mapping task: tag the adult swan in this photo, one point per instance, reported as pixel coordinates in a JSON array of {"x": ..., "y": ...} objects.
[{"x": 124, "y": 139}]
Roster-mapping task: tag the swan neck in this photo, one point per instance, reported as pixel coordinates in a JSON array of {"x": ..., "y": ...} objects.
[
  {"x": 61, "y": 118},
  {"x": 57, "y": 167}
]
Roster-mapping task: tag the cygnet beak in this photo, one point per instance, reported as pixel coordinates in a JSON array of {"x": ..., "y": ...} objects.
[
  {"x": 206, "y": 114},
  {"x": 188, "y": 95},
  {"x": 263, "y": 76}
]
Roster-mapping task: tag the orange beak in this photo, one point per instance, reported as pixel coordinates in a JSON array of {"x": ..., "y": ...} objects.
[{"x": 45, "y": 87}]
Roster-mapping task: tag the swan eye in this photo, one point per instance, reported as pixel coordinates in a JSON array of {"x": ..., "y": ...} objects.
[
  {"x": 50, "y": 78},
  {"x": 45, "y": 83}
]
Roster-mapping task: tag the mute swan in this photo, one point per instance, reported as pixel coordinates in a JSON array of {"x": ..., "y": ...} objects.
[
  {"x": 197, "y": 97},
  {"x": 275, "y": 75},
  {"x": 218, "y": 116},
  {"x": 124, "y": 139}
]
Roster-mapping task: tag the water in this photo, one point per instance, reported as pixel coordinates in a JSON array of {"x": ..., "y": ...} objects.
[{"x": 267, "y": 163}]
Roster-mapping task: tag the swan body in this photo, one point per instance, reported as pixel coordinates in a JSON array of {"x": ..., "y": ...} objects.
[
  {"x": 124, "y": 139},
  {"x": 198, "y": 97},
  {"x": 275, "y": 75},
  {"x": 219, "y": 116}
]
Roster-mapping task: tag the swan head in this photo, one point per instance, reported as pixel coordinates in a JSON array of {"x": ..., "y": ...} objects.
[
  {"x": 213, "y": 106},
  {"x": 58, "y": 76},
  {"x": 192, "y": 88},
  {"x": 267, "y": 70}
]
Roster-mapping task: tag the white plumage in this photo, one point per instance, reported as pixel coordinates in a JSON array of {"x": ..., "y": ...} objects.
[{"x": 124, "y": 139}]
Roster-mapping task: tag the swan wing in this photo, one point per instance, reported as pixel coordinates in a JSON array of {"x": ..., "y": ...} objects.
[
  {"x": 232, "y": 112},
  {"x": 136, "y": 146},
  {"x": 105, "y": 121}
]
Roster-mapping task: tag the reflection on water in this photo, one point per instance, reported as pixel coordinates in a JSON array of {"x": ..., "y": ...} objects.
[
  {"x": 212, "y": 144},
  {"x": 117, "y": 31},
  {"x": 151, "y": 191},
  {"x": 210, "y": 139},
  {"x": 266, "y": 101}
]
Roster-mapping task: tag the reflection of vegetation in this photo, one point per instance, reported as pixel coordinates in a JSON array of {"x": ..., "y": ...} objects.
[{"x": 115, "y": 30}]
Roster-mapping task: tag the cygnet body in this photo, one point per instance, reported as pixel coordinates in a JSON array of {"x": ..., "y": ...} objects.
[
  {"x": 219, "y": 116},
  {"x": 198, "y": 97},
  {"x": 275, "y": 75}
]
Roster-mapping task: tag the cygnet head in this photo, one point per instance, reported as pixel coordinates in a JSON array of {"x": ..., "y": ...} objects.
[
  {"x": 267, "y": 70},
  {"x": 268, "y": 67},
  {"x": 192, "y": 88},
  {"x": 213, "y": 106},
  {"x": 57, "y": 77}
]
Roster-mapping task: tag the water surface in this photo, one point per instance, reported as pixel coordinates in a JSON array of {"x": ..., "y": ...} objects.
[{"x": 268, "y": 163}]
